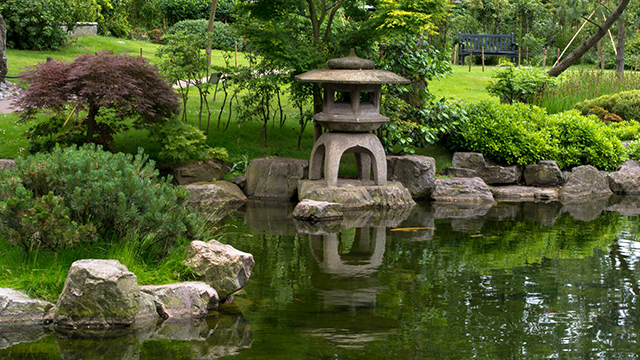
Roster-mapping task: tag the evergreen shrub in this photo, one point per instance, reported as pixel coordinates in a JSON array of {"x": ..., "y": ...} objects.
[
  {"x": 223, "y": 36},
  {"x": 523, "y": 134},
  {"x": 625, "y": 104},
  {"x": 625, "y": 130},
  {"x": 85, "y": 191},
  {"x": 35, "y": 24}
]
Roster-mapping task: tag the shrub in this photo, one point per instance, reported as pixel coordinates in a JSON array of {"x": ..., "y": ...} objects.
[
  {"x": 519, "y": 84},
  {"x": 625, "y": 104},
  {"x": 222, "y": 37},
  {"x": 633, "y": 150},
  {"x": 524, "y": 134},
  {"x": 511, "y": 134},
  {"x": 75, "y": 190},
  {"x": 585, "y": 140},
  {"x": 181, "y": 142},
  {"x": 625, "y": 130},
  {"x": 178, "y": 10},
  {"x": 35, "y": 24}
]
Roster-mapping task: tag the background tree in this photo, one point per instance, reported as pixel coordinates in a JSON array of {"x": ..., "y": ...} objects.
[{"x": 115, "y": 90}]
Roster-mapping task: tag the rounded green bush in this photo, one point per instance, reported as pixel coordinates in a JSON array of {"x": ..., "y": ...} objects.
[{"x": 625, "y": 104}]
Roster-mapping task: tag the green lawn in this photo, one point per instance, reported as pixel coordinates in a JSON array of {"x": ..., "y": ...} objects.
[{"x": 464, "y": 85}]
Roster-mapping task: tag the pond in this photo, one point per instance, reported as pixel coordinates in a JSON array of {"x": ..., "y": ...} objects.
[{"x": 513, "y": 280}]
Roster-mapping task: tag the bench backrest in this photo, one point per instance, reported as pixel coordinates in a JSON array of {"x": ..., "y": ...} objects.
[{"x": 489, "y": 42}]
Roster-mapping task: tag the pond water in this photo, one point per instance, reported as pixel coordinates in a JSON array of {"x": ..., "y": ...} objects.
[{"x": 512, "y": 281}]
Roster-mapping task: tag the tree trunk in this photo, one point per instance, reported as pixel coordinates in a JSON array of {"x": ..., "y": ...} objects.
[
  {"x": 91, "y": 123},
  {"x": 590, "y": 42},
  {"x": 212, "y": 15},
  {"x": 620, "y": 46}
]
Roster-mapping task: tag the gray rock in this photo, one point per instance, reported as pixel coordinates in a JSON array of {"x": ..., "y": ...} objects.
[
  {"x": 585, "y": 181},
  {"x": 199, "y": 171},
  {"x": 17, "y": 308},
  {"x": 241, "y": 181},
  {"x": 516, "y": 193},
  {"x": 544, "y": 173},
  {"x": 6, "y": 164},
  {"x": 491, "y": 174},
  {"x": 460, "y": 172},
  {"x": 222, "y": 193},
  {"x": 462, "y": 190},
  {"x": 275, "y": 179},
  {"x": 221, "y": 266},
  {"x": 626, "y": 181},
  {"x": 184, "y": 300},
  {"x": 312, "y": 210},
  {"x": 417, "y": 173},
  {"x": 357, "y": 195},
  {"x": 102, "y": 293}
]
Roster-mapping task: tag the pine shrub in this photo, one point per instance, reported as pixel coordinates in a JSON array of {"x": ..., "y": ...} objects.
[
  {"x": 625, "y": 104},
  {"x": 87, "y": 190}
]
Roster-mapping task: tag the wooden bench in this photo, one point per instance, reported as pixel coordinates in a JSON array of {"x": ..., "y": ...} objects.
[{"x": 494, "y": 45}]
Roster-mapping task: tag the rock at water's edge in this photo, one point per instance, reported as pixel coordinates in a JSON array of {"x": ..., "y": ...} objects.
[
  {"x": 17, "y": 308},
  {"x": 417, "y": 173},
  {"x": 191, "y": 299},
  {"x": 276, "y": 178},
  {"x": 584, "y": 181},
  {"x": 311, "y": 210},
  {"x": 462, "y": 190}
]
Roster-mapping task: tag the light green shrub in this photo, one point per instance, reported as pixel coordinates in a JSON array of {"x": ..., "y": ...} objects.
[
  {"x": 519, "y": 84},
  {"x": 625, "y": 130}
]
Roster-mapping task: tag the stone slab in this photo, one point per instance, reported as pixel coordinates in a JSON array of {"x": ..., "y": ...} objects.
[{"x": 356, "y": 195}]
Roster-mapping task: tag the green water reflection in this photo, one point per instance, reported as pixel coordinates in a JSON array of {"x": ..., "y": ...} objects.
[{"x": 511, "y": 281}]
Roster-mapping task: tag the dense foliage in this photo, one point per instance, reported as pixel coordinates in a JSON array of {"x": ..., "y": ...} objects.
[
  {"x": 77, "y": 195},
  {"x": 178, "y": 10},
  {"x": 523, "y": 134},
  {"x": 117, "y": 91},
  {"x": 519, "y": 84},
  {"x": 35, "y": 25},
  {"x": 223, "y": 36},
  {"x": 180, "y": 142},
  {"x": 625, "y": 104}
]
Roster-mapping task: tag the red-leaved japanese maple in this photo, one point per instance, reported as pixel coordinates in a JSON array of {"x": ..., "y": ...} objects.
[{"x": 128, "y": 85}]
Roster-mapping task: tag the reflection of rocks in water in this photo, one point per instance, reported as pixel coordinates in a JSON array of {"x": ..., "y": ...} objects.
[
  {"x": 12, "y": 335},
  {"x": 355, "y": 219},
  {"x": 420, "y": 224},
  {"x": 587, "y": 209},
  {"x": 349, "y": 338},
  {"x": 228, "y": 335},
  {"x": 213, "y": 337},
  {"x": 357, "y": 256},
  {"x": 464, "y": 217},
  {"x": 544, "y": 214},
  {"x": 628, "y": 205},
  {"x": 110, "y": 343},
  {"x": 271, "y": 217},
  {"x": 181, "y": 329}
]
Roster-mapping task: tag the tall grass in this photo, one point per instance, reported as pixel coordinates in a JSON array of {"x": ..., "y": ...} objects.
[{"x": 577, "y": 86}]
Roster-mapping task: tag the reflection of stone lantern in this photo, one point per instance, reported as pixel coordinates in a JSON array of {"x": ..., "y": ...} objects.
[{"x": 351, "y": 108}]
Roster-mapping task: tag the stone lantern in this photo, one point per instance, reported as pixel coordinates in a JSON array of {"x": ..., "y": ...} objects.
[{"x": 351, "y": 109}]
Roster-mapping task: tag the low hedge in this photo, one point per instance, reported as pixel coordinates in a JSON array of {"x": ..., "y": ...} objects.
[{"x": 524, "y": 134}]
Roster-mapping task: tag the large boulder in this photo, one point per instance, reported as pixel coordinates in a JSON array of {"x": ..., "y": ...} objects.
[
  {"x": 220, "y": 193},
  {"x": 276, "y": 178},
  {"x": 6, "y": 164},
  {"x": 191, "y": 299},
  {"x": 357, "y": 195},
  {"x": 417, "y": 173},
  {"x": 516, "y": 193},
  {"x": 585, "y": 181},
  {"x": 626, "y": 181},
  {"x": 544, "y": 173},
  {"x": 17, "y": 308},
  {"x": 221, "y": 266},
  {"x": 199, "y": 171},
  {"x": 462, "y": 190},
  {"x": 490, "y": 173},
  {"x": 102, "y": 293},
  {"x": 311, "y": 210}
]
